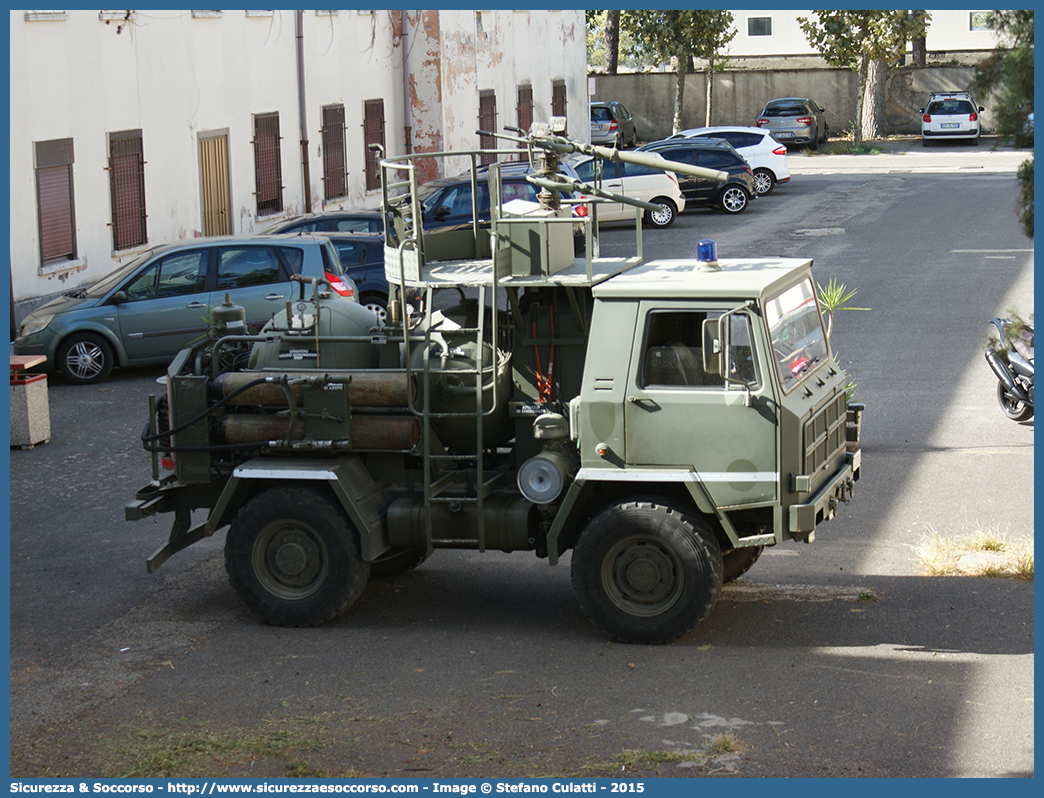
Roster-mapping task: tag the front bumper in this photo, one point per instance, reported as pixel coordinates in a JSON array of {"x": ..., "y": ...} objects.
[{"x": 822, "y": 506}]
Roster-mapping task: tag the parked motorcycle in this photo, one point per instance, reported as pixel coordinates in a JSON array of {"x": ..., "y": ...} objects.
[{"x": 1012, "y": 362}]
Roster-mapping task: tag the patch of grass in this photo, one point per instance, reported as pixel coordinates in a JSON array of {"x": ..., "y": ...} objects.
[
  {"x": 164, "y": 753},
  {"x": 867, "y": 595},
  {"x": 987, "y": 553},
  {"x": 724, "y": 743},
  {"x": 842, "y": 147}
]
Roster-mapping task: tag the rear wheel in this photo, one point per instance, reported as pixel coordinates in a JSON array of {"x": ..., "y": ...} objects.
[
  {"x": 293, "y": 556},
  {"x": 1012, "y": 407},
  {"x": 644, "y": 572},
  {"x": 84, "y": 358},
  {"x": 764, "y": 181},
  {"x": 734, "y": 199},
  {"x": 665, "y": 216},
  {"x": 395, "y": 562},
  {"x": 738, "y": 561}
]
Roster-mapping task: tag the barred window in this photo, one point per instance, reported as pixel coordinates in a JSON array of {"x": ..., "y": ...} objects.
[
  {"x": 525, "y": 109},
  {"x": 558, "y": 99},
  {"x": 55, "y": 201},
  {"x": 373, "y": 133},
  {"x": 268, "y": 170},
  {"x": 335, "y": 166},
  {"x": 488, "y": 122},
  {"x": 127, "y": 189}
]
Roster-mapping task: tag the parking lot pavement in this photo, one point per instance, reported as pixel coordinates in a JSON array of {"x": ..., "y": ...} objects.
[{"x": 906, "y": 154}]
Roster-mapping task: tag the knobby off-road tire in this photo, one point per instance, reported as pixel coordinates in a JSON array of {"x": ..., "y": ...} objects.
[
  {"x": 396, "y": 562},
  {"x": 293, "y": 556},
  {"x": 644, "y": 572},
  {"x": 738, "y": 561}
]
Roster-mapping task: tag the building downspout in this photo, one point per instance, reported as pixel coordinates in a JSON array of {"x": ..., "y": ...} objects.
[
  {"x": 306, "y": 176},
  {"x": 406, "y": 104}
]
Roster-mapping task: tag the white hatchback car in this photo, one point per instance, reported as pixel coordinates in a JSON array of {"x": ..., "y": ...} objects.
[
  {"x": 950, "y": 115},
  {"x": 641, "y": 182},
  {"x": 766, "y": 156}
]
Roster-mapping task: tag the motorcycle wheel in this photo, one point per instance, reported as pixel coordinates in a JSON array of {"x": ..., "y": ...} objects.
[{"x": 1012, "y": 407}]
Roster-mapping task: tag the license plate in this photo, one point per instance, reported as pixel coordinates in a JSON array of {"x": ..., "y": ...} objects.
[
  {"x": 950, "y": 124},
  {"x": 783, "y": 135}
]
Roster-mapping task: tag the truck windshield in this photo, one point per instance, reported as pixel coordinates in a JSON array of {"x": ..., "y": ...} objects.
[{"x": 796, "y": 328}]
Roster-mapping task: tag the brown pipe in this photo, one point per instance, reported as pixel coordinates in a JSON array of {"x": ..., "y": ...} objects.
[
  {"x": 365, "y": 388},
  {"x": 364, "y": 432}
]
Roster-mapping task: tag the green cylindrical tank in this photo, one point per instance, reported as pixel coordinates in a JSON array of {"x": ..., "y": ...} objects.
[
  {"x": 453, "y": 358},
  {"x": 296, "y": 348}
]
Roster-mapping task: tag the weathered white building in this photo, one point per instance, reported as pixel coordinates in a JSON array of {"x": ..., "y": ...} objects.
[
  {"x": 777, "y": 34},
  {"x": 133, "y": 128}
]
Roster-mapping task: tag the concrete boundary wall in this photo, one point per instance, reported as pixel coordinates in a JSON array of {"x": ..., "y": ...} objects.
[{"x": 739, "y": 95}]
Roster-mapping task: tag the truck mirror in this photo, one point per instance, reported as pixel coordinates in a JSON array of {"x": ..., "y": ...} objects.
[{"x": 712, "y": 346}]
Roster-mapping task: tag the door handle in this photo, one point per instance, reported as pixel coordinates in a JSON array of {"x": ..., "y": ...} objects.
[
  {"x": 274, "y": 297},
  {"x": 195, "y": 305}
]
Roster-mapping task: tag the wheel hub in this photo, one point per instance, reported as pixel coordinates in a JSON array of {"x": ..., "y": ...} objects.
[
  {"x": 642, "y": 575},
  {"x": 291, "y": 558}
]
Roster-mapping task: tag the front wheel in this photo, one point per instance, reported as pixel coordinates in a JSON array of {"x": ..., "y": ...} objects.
[
  {"x": 293, "y": 556},
  {"x": 764, "y": 182},
  {"x": 734, "y": 199},
  {"x": 1012, "y": 407},
  {"x": 665, "y": 216},
  {"x": 645, "y": 572}
]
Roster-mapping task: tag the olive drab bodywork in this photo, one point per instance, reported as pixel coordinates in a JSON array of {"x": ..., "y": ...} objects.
[{"x": 664, "y": 421}]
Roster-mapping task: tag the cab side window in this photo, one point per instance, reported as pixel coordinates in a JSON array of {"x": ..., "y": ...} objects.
[{"x": 673, "y": 352}]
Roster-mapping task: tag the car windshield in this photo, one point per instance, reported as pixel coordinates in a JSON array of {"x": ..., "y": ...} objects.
[
  {"x": 796, "y": 328},
  {"x": 111, "y": 280},
  {"x": 601, "y": 115}
]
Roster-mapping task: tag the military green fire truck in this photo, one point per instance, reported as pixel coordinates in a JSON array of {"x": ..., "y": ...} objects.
[{"x": 660, "y": 422}]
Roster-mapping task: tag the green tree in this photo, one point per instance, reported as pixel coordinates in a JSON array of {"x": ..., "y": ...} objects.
[
  {"x": 866, "y": 41},
  {"x": 681, "y": 35},
  {"x": 1007, "y": 75},
  {"x": 608, "y": 45}
]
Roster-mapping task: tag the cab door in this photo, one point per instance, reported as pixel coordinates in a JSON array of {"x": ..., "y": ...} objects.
[{"x": 677, "y": 414}]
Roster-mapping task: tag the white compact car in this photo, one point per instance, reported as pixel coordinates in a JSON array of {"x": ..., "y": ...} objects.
[
  {"x": 950, "y": 115},
  {"x": 640, "y": 182},
  {"x": 766, "y": 156}
]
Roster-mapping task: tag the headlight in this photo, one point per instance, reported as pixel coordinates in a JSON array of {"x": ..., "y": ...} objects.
[{"x": 34, "y": 324}]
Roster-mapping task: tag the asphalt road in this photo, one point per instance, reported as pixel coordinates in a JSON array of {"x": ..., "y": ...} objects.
[{"x": 483, "y": 665}]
